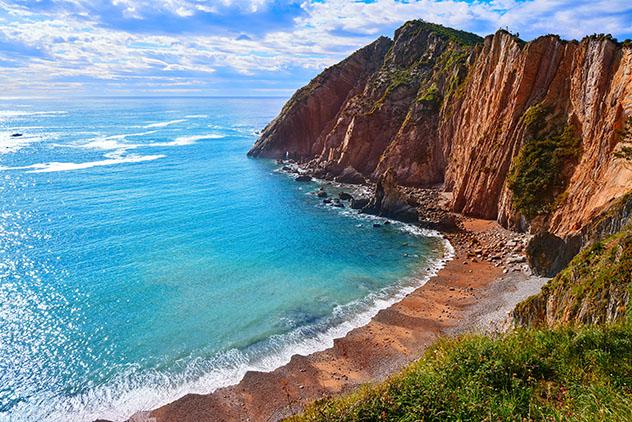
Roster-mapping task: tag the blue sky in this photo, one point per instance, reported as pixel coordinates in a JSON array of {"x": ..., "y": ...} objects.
[{"x": 245, "y": 47}]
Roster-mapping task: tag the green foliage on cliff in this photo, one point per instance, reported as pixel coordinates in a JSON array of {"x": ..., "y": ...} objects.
[
  {"x": 625, "y": 151},
  {"x": 430, "y": 96},
  {"x": 534, "y": 117},
  {"x": 592, "y": 289},
  {"x": 537, "y": 175},
  {"x": 562, "y": 374},
  {"x": 460, "y": 37},
  {"x": 396, "y": 79}
]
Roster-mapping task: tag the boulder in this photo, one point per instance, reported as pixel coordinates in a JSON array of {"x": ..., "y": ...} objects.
[
  {"x": 549, "y": 254},
  {"x": 303, "y": 178},
  {"x": 389, "y": 201},
  {"x": 322, "y": 194},
  {"x": 359, "y": 203},
  {"x": 15, "y": 135},
  {"x": 345, "y": 196},
  {"x": 350, "y": 175}
]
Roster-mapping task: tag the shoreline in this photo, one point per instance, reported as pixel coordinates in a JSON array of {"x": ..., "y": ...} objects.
[{"x": 469, "y": 293}]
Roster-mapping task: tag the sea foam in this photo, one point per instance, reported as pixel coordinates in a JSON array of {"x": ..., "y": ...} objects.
[
  {"x": 61, "y": 166},
  {"x": 164, "y": 124}
]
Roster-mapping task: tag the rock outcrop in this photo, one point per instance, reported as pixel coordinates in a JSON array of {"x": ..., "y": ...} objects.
[
  {"x": 548, "y": 254},
  {"x": 529, "y": 134},
  {"x": 312, "y": 110},
  {"x": 594, "y": 288},
  {"x": 389, "y": 201}
]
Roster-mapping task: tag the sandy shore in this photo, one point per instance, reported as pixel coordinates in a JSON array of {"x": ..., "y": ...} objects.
[{"x": 471, "y": 293}]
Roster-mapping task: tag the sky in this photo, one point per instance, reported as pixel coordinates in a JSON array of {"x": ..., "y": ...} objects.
[{"x": 240, "y": 47}]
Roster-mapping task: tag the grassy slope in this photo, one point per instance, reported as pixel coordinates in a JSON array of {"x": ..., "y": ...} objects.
[{"x": 580, "y": 373}]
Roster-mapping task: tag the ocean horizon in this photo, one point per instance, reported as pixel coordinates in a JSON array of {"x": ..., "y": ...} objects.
[{"x": 144, "y": 256}]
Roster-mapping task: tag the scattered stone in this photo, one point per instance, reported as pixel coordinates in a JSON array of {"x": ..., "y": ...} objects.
[
  {"x": 327, "y": 201},
  {"x": 16, "y": 135},
  {"x": 517, "y": 259},
  {"x": 303, "y": 178},
  {"x": 377, "y": 225},
  {"x": 345, "y": 196},
  {"x": 322, "y": 194}
]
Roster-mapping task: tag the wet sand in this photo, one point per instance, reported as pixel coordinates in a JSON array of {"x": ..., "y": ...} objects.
[{"x": 468, "y": 294}]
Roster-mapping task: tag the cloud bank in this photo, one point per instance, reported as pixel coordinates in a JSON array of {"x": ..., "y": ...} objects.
[{"x": 240, "y": 47}]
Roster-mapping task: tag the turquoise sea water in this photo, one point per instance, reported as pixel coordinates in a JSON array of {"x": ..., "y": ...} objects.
[{"x": 144, "y": 256}]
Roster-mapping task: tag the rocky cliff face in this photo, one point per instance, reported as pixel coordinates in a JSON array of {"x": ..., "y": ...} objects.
[
  {"x": 526, "y": 133},
  {"x": 311, "y": 111}
]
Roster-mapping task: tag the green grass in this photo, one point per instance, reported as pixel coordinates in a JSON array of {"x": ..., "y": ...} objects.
[
  {"x": 580, "y": 373},
  {"x": 593, "y": 285},
  {"x": 538, "y": 173}
]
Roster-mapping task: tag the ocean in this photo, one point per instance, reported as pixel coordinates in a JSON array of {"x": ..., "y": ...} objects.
[{"x": 143, "y": 256}]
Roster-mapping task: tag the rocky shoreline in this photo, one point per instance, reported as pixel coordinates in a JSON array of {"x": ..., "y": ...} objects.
[
  {"x": 426, "y": 207},
  {"x": 475, "y": 291}
]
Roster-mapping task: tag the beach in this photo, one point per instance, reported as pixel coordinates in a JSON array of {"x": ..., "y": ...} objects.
[{"x": 471, "y": 293}]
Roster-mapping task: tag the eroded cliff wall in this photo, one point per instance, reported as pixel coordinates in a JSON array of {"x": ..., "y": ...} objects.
[{"x": 526, "y": 133}]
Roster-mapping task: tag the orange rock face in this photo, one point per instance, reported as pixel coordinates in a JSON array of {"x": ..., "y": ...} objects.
[{"x": 440, "y": 107}]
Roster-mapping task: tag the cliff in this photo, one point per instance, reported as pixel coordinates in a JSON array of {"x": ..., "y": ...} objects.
[{"x": 531, "y": 134}]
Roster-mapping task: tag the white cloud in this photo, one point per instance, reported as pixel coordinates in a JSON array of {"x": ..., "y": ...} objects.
[{"x": 76, "y": 48}]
